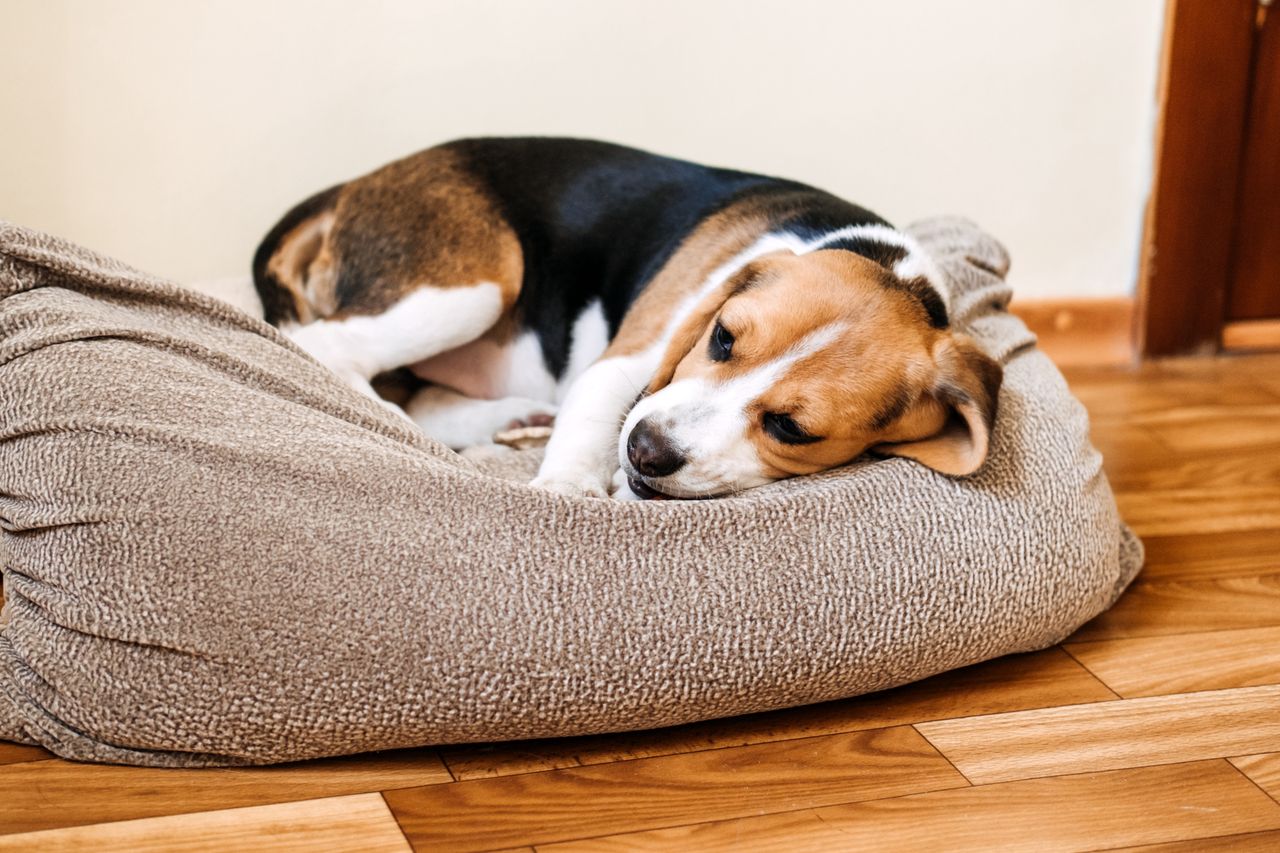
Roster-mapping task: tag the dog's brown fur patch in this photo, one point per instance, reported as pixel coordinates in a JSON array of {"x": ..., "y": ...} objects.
[{"x": 418, "y": 221}]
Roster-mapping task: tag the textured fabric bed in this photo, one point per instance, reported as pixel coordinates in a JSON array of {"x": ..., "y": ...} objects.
[{"x": 216, "y": 553}]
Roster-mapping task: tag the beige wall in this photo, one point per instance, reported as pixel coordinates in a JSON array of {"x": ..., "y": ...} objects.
[{"x": 173, "y": 132}]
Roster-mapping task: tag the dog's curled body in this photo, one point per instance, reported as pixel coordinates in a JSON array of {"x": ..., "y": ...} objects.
[{"x": 701, "y": 330}]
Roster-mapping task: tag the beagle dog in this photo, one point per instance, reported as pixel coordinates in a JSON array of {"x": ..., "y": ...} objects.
[{"x": 694, "y": 330}]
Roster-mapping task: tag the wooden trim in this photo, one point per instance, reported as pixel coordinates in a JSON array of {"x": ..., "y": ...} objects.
[
  {"x": 1082, "y": 332},
  {"x": 1204, "y": 96},
  {"x": 1251, "y": 335},
  {"x": 1252, "y": 293}
]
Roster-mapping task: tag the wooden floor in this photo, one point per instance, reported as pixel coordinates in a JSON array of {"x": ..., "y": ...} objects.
[{"x": 1157, "y": 726}]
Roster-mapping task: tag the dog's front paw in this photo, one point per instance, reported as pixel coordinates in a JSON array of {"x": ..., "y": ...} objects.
[{"x": 581, "y": 484}]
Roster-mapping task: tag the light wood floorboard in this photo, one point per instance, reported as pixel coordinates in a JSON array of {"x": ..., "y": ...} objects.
[
  {"x": 360, "y": 823},
  {"x": 1184, "y": 663},
  {"x": 1156, "y": 608},
  {"x": 1264, "y": 369},
  {"x": 1211, "y": 556},
  {"x": 1139, "y": 396},
  {"x": 1210, "y": 429},
  {"x": 1245, "y": 470},
  {"x": 1200, "y": 510},
  {"x": 1111, "y": 735},
  {"x": 1065, "y": 813}
]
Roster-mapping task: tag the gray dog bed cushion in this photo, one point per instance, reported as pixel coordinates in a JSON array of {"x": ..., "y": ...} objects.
[{"x": 216, "y": 553}]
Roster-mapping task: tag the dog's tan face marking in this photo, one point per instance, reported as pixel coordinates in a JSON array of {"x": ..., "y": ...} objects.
[
  {"x": 878, "y": 352},
  {"x": 801, "y": 363}
]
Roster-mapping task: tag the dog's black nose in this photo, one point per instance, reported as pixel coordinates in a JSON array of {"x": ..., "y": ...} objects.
[{"x": 652, "y": 454}]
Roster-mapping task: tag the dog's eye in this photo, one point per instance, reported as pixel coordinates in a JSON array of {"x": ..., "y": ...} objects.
[
  {"x": 721, "y": 346},
  {"x": 784, "y": 429}
]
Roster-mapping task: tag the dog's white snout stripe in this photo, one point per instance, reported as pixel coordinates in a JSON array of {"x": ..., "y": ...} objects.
[{"x": 708, "y": 422}]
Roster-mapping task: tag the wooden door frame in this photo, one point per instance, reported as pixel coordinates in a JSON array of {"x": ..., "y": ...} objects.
[{"x": 1186, "y": 246}]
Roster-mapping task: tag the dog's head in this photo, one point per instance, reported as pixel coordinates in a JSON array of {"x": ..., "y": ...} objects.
[{"x": 798, "y": 363}]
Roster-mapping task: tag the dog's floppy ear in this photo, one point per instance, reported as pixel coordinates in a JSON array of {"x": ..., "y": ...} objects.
[
  {"x": 967, "y": 385},
  {"x": 691, "y": 329}
]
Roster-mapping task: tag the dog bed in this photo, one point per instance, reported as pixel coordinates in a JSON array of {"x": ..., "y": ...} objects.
[{"x": 216, "y": 553}]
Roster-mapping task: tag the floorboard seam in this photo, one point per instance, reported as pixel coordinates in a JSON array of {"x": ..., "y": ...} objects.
[
  {"x": 396, "y": 818},
  {"x": 945, "y": 757},
  {"x": 1252, "y": 781},
  {"x": 447, "y": 769},
  {"x": 1085, "y": 667}
]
